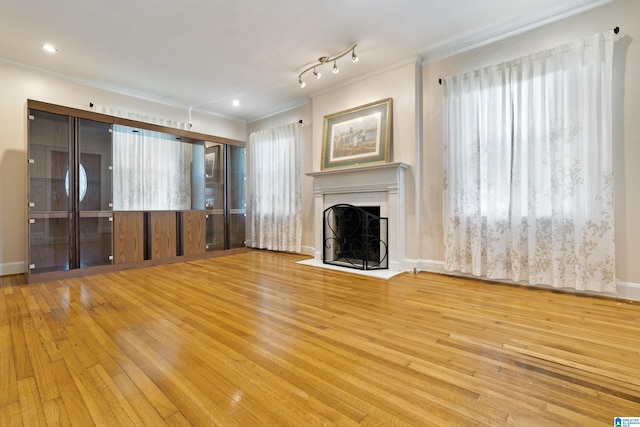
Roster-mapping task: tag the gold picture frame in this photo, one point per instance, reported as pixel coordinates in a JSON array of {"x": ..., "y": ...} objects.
[{"x": 358, "y": 136}]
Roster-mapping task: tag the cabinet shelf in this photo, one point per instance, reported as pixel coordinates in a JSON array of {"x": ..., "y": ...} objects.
[
  {"x": 45, "y": 179},
  {"x": 35, "y": 214},
  {"x": 96, "y": 214},
  {"x": 50, "y": 242}
]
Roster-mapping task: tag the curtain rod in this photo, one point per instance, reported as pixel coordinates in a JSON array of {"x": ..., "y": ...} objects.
[{"x": 616, "y": 30}]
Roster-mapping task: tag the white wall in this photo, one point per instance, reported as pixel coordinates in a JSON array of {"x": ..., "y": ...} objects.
[
  {"x": 399, "y": 84},
  {"x": 622, "y": 13},
  {"x": 18, "y": 84}
]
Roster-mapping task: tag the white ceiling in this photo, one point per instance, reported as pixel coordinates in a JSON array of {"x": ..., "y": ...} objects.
[{"x": 206, "y": 53}]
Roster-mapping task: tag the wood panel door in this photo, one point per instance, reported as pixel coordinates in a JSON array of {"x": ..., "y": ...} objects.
[
  {"x": 193, "y": 223},
  {"x": 128, "y": 245},
  {"x": 163, "y": 234}
]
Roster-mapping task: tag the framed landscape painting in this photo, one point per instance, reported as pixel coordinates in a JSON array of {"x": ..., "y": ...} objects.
[{"x": 358, "y": 136}]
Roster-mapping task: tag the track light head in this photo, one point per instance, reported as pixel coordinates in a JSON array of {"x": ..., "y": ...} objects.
[
  {"x": 317, "y": 74},
  {"x": 301, "y": 83},
  {"x": 354, "y": 57},
  {"x": 336, "y": 70}
]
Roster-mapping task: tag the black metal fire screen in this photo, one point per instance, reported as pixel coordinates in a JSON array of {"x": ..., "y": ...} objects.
[{"x": 354, "y": 237}]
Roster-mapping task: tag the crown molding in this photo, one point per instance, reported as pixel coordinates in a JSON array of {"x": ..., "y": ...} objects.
[{"x": 453, "y": 46}]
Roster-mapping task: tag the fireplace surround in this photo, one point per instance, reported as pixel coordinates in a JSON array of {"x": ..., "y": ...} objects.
[{"x": 371, "y": 185}]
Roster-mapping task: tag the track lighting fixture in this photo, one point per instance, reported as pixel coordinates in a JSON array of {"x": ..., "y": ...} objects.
[{"x": 325, "y": 60}]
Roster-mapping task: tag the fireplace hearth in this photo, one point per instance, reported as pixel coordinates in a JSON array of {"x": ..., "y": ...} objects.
[{"x": 355, "y": 237}]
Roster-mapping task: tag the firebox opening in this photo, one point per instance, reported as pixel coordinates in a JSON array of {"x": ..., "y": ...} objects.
[{"x": 355, "y": 236}]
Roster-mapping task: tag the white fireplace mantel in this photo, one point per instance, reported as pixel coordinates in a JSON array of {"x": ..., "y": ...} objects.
[{"x": 352, "y": 185}]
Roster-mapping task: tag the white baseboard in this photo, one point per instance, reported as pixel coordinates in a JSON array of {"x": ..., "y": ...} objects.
[
  {"x": 9, "y": 268},
  {"x": 308, "y": 250},
  {"x": 431, "y": 266},
  {"x": 629, "y": 291},
  {"x": 625, "y": 290},
  {"x": 305, "y": 250}
]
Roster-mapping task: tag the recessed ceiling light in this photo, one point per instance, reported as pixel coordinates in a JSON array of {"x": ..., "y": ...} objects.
[
  {"x": 236, "y": 103},
  {"x": 49, "y": 48}
]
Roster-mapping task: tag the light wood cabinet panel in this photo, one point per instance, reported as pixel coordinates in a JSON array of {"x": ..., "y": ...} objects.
[
  {"x": 128, "y": 242},
  {"x": 163, "y": 234},
  {"x": 193, "y": 232}
]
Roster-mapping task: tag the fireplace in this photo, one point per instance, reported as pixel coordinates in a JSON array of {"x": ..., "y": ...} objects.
[
  {"x": 380, "y": 186},
  {"x": 355, "y": 237}
]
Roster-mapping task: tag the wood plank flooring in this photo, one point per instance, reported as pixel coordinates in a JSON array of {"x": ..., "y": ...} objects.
[{"x": 256, "y": 339}]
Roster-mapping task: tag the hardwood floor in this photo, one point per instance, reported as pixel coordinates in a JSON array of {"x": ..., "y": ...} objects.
[{"x": 255, "y": 339}]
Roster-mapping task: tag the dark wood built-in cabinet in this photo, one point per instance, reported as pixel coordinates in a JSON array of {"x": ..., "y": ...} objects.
[{"x": 73, "y": 229}]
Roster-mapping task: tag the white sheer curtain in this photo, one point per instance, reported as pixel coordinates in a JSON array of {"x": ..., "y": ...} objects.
[
  {"x": 151, "y": 171},
  {"x": 528, "y": 168},
  {"x": 275, "y": 218}
]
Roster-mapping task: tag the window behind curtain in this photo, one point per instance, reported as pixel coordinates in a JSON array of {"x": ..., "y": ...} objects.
[
  {"x": 276, "y": 207},
  {"x": 152, "y": 171},
  {"x": 528, "y": 168}
]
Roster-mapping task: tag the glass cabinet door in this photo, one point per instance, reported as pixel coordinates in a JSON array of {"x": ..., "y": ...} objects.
[
  {"x": 49, "y": 203},
  {"x": 214, "y": 197},
  {"x": 214, "y": 176},
  {"x": 236, "y": 195},
  {"x": 215, "y": 231},
  {"x": 224, "y": 196},
  {"x": 70, "y": 192},
  {"x": 94, "y": 177}
]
